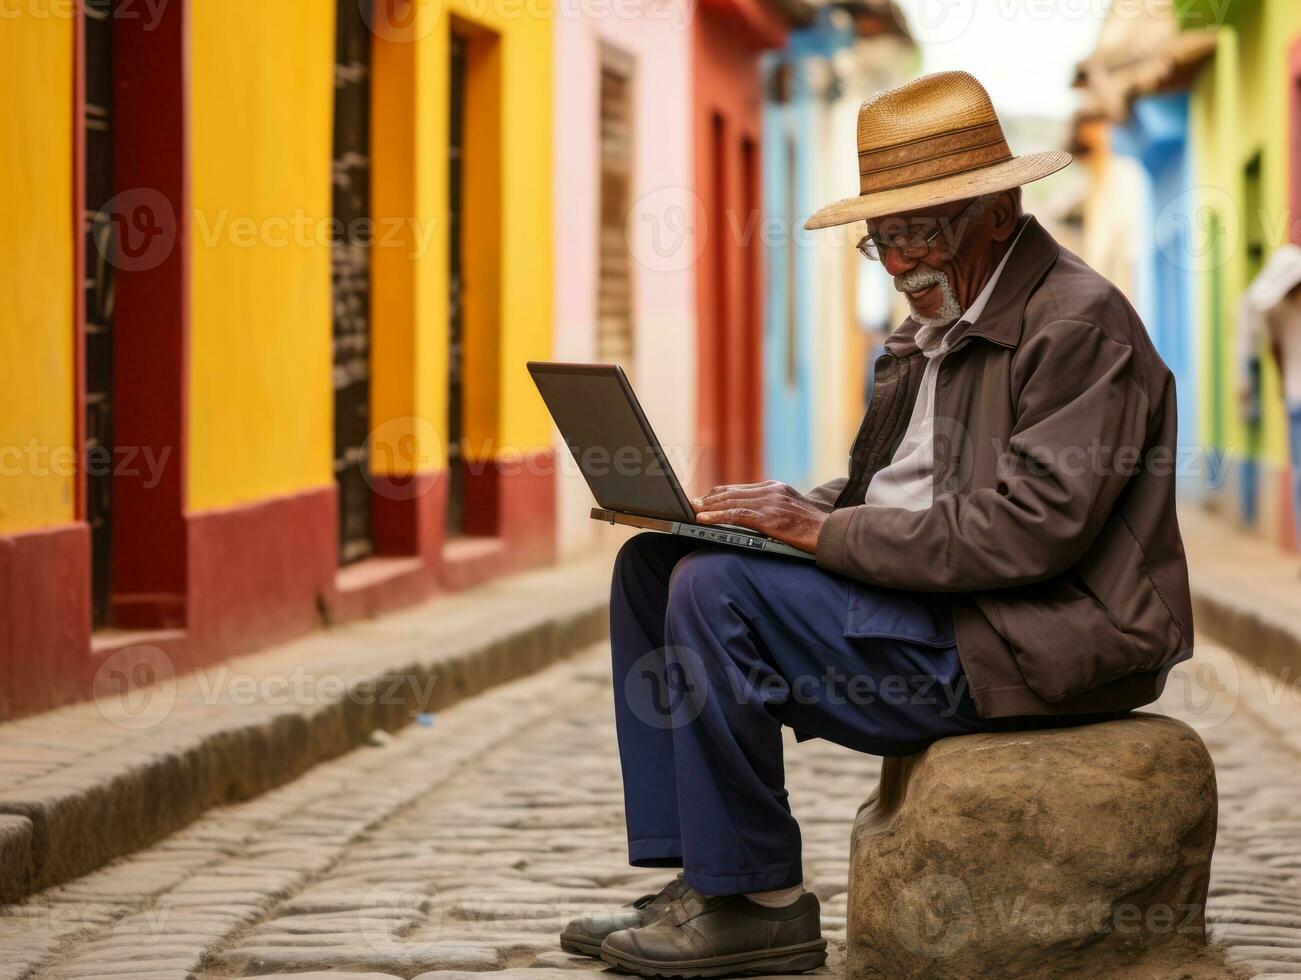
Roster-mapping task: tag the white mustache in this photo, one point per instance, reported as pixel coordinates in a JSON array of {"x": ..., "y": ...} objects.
[{"x": 919, "y": 279}]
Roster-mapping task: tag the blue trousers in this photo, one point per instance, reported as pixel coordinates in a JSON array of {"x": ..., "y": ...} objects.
[
  {"x": 1294, "y": 438},
  {"x": 715, "y": 650}
]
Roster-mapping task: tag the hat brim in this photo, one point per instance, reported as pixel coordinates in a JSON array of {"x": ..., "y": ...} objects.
[{"x": 1001, "y": 176}]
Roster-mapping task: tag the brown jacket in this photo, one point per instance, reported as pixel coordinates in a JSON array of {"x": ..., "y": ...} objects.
[{"x": 1053, "y": 519}]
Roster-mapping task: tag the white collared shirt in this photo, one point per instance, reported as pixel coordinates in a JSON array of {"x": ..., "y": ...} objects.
[{"x": 907, "y": 481}]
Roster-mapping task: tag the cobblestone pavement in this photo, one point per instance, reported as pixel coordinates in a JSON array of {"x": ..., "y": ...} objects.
[{"x": 465, "y": 846}]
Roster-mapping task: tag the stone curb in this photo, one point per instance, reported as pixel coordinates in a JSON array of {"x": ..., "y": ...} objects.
[
  {"x": 74, "y": 820},
  {"x": 1254, "y": 628}
]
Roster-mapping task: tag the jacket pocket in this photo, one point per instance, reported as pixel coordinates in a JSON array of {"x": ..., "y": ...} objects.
[
  {"x": 885, "y": 614},
  {"x": 1115, "y": 574},
  {"x": 1064, "y": 640}
]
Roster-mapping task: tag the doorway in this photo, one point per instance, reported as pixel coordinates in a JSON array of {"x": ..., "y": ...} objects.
[
  {"x": 350, "y": 280},
  {"x": 99, "y": 246}
]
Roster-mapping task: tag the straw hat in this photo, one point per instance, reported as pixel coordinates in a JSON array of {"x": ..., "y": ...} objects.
[{"x": 934, "y": 140}]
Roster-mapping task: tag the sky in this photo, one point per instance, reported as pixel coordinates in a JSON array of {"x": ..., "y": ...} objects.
[{"x": 1024, "y": 51}]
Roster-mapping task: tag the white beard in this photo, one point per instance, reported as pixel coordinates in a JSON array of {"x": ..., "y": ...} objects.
[{"x": 950, "y": 309}]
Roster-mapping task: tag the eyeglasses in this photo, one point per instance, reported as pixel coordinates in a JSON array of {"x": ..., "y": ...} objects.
[{"x": 913, "y": 244}]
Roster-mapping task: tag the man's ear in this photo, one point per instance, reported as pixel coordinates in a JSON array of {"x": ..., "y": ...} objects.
[{"x": 1004, "y": 214}]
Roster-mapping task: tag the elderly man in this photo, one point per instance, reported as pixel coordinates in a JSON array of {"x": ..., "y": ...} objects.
[{"x": 1003, "y": 553}]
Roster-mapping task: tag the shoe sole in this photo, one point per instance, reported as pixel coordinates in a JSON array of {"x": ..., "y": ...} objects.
[
  {"x": 578, "y": 947},
  {"x": 788, "y": 959}
]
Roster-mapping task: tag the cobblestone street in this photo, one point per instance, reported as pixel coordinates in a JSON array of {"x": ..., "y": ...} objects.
[{"x": 465, "y": 845}]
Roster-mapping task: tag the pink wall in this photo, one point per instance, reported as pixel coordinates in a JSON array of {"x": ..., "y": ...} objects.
[{"x": 660, "y": 227}]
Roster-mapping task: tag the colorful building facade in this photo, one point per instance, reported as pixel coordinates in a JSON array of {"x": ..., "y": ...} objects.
[
  {"x": 1205, "y": 121},
  {"x": 1245, "y": 123},
  {"x": 1133, "y": 134},
  {"x": 821, "y": 304},
  {"x": 277, "y": 271},
  {"x": 625, "y": 249},
  {"x": 292, "y": 390},
  {"x": 728, "y": 40}
]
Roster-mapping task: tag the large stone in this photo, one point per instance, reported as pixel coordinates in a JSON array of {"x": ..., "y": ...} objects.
[{"x": 1036, "y": 854}]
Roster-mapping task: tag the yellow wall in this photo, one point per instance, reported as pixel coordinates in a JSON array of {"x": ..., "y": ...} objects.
[
  {"x": 1239, "y": 107},
  {"x": 261, "y": 117},
  {"x": 508, "y": 251},
  {"x": 526, "y": 219},
  {"x": 37, "y": 395}
]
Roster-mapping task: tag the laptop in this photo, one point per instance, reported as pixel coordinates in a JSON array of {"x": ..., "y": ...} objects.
[{"x": 596, "y": 411}]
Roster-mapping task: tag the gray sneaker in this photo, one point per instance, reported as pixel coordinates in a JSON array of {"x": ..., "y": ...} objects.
[
  {"x": 709, "y": 937},
  {"x": 583, "y": 936}
]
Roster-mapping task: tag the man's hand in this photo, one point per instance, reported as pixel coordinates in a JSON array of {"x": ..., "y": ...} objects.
[{"x": 770, "y": 508}]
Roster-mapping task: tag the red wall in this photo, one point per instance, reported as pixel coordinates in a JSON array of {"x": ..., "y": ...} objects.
[{"x": 729, "y": 37}]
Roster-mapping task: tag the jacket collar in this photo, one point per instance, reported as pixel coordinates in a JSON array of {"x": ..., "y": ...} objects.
[{"x": 1000, "y": 323}]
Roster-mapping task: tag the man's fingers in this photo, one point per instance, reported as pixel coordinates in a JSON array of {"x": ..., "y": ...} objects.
[
  {"x": 733, "y": 515},
  {"x": 727, "y": 488},
  {"x": 744, "y": 491}
]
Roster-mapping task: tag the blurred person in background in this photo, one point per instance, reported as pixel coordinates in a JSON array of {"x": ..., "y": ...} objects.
[
  {"x": 1003, "y": 553},
  {"x": 1270, "y": 311}
]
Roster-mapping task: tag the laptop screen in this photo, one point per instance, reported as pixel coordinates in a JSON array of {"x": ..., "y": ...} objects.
[{"x": 597, "y": 414}]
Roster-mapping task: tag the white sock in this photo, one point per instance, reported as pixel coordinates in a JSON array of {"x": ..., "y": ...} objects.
[{"x": 779, "y": 898}]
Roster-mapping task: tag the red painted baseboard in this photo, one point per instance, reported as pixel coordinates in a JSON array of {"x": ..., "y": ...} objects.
[
  {"x": 259, "y": 574},
  {"x": 44, "y": 619}
]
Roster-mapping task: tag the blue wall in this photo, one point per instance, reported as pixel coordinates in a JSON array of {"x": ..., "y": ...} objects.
[
  {"x": 1157, "y": 136},
  {"x": 792, "y": 155}
]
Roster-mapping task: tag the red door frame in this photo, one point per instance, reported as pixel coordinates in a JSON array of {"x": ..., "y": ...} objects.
[{"x": 151, "y": 317}]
